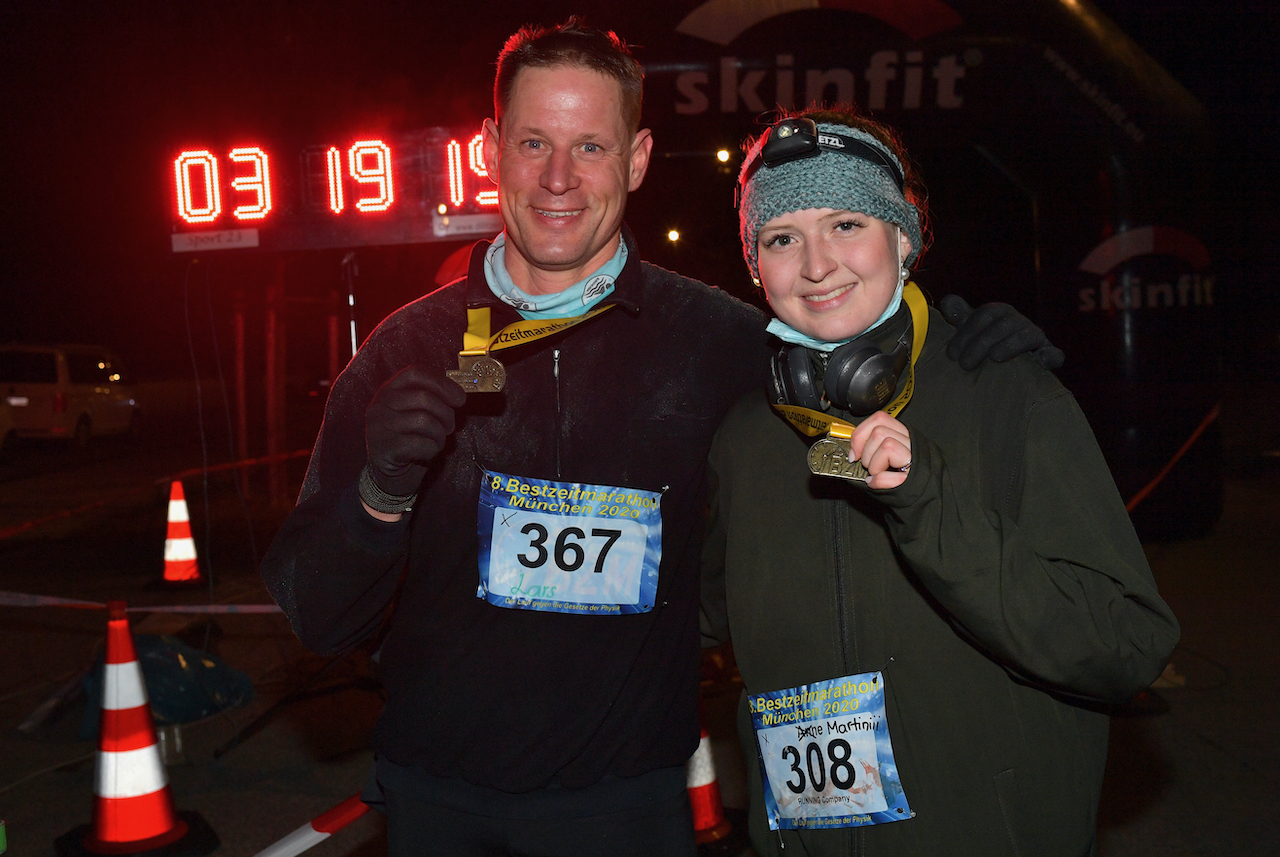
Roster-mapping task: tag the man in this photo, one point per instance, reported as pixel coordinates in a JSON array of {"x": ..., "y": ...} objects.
[{"x": 540, "y": 544}]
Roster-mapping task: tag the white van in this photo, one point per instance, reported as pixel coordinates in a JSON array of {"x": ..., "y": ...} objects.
[{"x": 66, "y": 391}]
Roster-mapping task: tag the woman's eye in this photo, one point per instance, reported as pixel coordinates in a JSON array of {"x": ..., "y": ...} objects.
[
  {"x": 847, "y": 225},
  {"x": 778, "y": 241}
]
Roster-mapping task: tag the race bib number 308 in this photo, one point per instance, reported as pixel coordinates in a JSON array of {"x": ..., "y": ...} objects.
[
  {"x": 826, "y": 756},
  {"x": 568, "y": 547}
]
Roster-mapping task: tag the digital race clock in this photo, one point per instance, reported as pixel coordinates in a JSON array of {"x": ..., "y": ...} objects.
[{"x": 424, "y": 185}]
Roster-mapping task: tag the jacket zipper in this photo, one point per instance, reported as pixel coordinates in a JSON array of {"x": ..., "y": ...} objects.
[
  {"x": 555, "y": 372},
  {"x": 842, "y": 560},
  {"x": 839, "y": 517}
]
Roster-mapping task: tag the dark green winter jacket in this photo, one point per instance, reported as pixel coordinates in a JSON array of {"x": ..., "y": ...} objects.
[{"x": 1001, "y": 588}]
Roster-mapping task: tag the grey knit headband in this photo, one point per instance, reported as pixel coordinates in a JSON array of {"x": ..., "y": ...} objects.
[{"x": 830, "y": 180}]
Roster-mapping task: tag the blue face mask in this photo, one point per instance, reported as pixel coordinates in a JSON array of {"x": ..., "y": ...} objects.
[
  {"x": 789, "y": 334},
  {"x": 574, "y": 301}
]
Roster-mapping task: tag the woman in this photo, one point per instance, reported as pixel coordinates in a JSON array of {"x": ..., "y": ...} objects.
[{"x": 930, "y": 610}]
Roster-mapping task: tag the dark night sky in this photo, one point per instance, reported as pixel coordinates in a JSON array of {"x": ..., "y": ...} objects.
[{"x": 96, "y": 97}]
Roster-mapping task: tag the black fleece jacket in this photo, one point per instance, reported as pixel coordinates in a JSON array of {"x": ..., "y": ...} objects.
[{"x": 513, "y": 699}]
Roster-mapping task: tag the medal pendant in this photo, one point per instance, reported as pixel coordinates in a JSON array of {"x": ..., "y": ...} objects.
[
  {"x": 830, "y": 457},
  {"x": 478, "y": 373}
]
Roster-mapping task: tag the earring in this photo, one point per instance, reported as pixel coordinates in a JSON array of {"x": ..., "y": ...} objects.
[{"x": 904, "y": 274}]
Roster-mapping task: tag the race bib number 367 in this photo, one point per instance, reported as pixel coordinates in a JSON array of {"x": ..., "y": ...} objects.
[
  {"x": 568, "y": 547},
  {"x": 826, "y": 755}
]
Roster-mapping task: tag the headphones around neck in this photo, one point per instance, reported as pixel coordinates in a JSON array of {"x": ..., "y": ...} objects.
[{"x": 859, "y": 378}]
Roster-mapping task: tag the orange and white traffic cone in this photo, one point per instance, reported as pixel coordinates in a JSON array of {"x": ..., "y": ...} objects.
[
  {"x": 179, "y": 548},
  {"x": 132, "y": 808},
  {"x": 709, "y": 822}
]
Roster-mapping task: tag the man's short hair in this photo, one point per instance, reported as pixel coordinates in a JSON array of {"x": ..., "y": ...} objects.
[{"x": 572, "y": 43}]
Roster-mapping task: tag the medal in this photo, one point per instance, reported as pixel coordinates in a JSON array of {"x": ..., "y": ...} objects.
[
  {"x": 830, "y": 457},
  {"x": 478, "y": 373}
]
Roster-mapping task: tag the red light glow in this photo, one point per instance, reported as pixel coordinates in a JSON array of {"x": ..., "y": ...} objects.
[
  {"x": 476, "y": 149},
  {"x": 379, "y": 174},
  {"x": 212, "y": 204},
  {"x": 258, "y": 184},
  {"x": 454, "y": 152},
  {"x": 336, "y": 203}
]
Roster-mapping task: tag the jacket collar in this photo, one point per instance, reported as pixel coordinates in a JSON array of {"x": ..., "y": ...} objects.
[{"x": 626, "y": 293}]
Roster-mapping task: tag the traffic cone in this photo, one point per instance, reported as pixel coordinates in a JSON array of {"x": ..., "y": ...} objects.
[
  {"x": 132, "y": 807},
  {"x": 179, "y": 548},
  {"x": 709, "y": 823}
]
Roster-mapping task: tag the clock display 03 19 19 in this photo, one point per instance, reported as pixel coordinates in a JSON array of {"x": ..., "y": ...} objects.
[{"x": 425, "y": 185}]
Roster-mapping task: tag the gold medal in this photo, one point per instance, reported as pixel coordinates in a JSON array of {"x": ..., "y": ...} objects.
[
  {"x": 830, "y": 457},
  {"x": 478, "y": 373}
]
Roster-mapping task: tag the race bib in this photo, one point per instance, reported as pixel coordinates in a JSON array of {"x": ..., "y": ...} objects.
[
  {"x": 568, "y": 547},
  {"x": 826, "y": 756}
]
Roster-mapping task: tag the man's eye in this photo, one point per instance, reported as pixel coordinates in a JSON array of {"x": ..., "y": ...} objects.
[
  {"x": 590, "y": 148},
  {"x": 533, "y": 144}
]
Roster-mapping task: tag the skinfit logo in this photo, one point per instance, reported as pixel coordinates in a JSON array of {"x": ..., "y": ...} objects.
[
  {"x": 1191, "y": 289},
  {"x": 722, "y": 21},
  {"x": 890, "y": 79}
]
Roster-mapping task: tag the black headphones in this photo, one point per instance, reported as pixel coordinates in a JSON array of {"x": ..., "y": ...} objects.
[{"x": 859, "y": 378}]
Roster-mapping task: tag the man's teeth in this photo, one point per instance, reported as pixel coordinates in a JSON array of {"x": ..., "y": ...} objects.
[{"x": 556, "y": 213}]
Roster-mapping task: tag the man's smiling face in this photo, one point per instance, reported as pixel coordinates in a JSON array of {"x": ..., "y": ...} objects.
[{"x": 565, "y": 161}]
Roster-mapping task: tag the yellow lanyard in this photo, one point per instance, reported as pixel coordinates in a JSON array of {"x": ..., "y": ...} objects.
[
  {"x": 477, "y": 340},
  {"x": 814, "y": 423}
]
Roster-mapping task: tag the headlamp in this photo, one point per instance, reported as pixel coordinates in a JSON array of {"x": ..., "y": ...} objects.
[{"x": 799, "y": 137}]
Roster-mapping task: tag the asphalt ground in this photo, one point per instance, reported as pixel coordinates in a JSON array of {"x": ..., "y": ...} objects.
[{"x": 1194, "y": 767}]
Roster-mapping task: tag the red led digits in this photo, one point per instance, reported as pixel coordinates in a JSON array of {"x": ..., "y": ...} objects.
[
  {"x": 484, "y": 197},
  {"x": 334, "y": 159},
  {"x": 336, "y": 191},
  {"x": 208, "y": 166},
  {"x": 258, "y": 184},
  {"x": 475, "y": 157},
  {"x": 360, "y": 154},
  {"x": 454, "y": 153}
]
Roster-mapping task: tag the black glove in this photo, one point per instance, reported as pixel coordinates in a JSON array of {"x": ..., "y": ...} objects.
[
  {"x": 996, "y": 332},
  {"x": 406, "y": 426}
]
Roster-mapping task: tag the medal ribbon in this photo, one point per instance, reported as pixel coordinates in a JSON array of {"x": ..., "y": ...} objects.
[
  {"x": 477, "y": 341},
  {"x": 813, "y": 423}
]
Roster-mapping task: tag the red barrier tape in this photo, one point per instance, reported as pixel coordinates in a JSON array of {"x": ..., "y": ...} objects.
[
  {"x": 1164, "y": 471},
  {"x": 22, "y": 599},
  {"x": 18, "y": 529},
  {"x": 340, "y": 816}
]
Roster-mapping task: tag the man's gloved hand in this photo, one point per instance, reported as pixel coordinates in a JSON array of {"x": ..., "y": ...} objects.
[
  {"x": 995, "y": 331},
  {"x": 406, "y": 426}
]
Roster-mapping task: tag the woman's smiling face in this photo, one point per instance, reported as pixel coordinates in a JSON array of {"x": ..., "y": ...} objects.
[{"x": 830, "y": 274}]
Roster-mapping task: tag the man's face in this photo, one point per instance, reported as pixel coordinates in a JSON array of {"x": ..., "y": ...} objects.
[{"x": 565, "y": 162}]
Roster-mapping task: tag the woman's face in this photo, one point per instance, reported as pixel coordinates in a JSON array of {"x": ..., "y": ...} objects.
[{"x": 827, "y": 273}]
